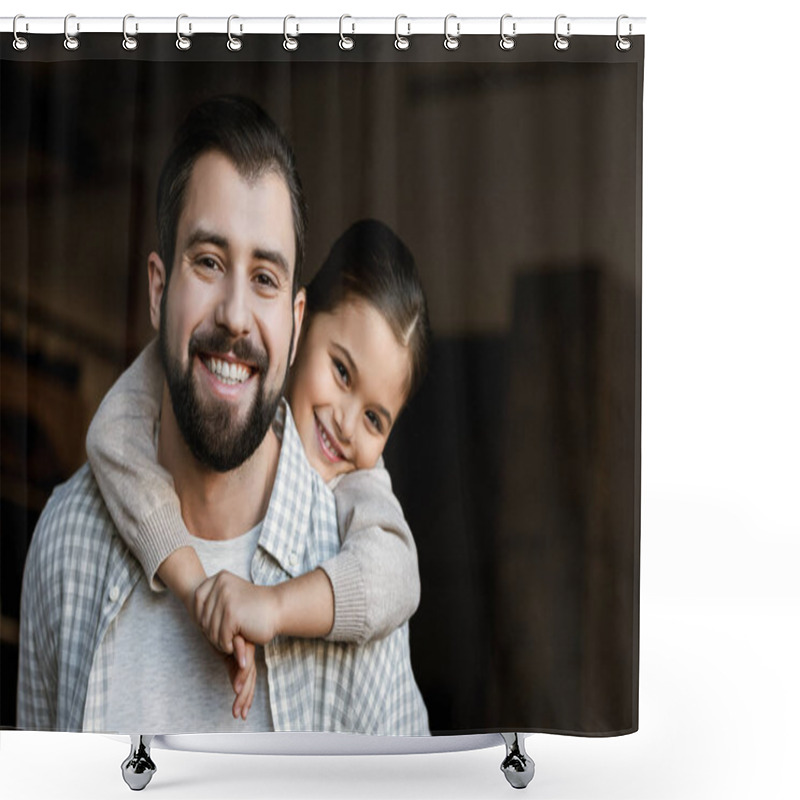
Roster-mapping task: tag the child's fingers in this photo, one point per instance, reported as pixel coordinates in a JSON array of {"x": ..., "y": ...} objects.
[
  {"x": 200, "y": 596},
  {"x": 206, "y": 599},
  {"x": 216, "y": 619},
  {"x": 245, "y": 697},
  {"x": 244, "y": 686},
  {"x": 250, "y": 695},
  {"x": 241, "y": 651},
  {"x": 220, "y": 630}
]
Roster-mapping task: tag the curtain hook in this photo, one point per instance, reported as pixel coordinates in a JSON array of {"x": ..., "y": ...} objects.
[
  {"x": 129, "y": 42},
  {"x": 20, "y": 42},
  {"x": 234, "y": 43},
  {"x": 507, "y": 42},
  {"x": 346, "y": 42},
  {"x": 401, "y": 42},
  {"x": 623, "y": 44},
  {"x": 182, "y": 42},
  {"x": 451, "y": 42},
  {"x": 71, "y": 42},
  {"x": 289, "y": 42},
  {"x": 561, "y": 42}
]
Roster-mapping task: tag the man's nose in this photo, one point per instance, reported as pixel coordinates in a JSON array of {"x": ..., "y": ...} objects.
[{"x": 233, "y": 310}]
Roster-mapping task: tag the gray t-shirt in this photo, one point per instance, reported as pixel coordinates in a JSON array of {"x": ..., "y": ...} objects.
[{"x": 166, "y": 677}]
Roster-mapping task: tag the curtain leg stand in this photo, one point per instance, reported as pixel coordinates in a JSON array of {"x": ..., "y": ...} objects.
[
  {"x": 517, "y": 766},
  {"x": 138, "y": 768}
]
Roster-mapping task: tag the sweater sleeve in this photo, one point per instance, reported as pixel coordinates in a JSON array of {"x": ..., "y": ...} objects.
[
  {"x": 121, "y": 446},
  {"x": 375, "y": 576}
]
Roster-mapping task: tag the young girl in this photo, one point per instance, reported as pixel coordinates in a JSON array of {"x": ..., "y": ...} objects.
[{"x": 361, "y": 356}]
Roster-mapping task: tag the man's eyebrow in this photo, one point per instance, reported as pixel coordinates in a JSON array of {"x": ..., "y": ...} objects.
[
  {"x": 276, "y": 257},
  {"x": 202, "y": 236},
  {"x": 354, "y": 369}
]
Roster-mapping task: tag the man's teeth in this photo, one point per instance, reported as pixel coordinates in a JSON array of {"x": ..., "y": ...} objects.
[{"x": 227, "y": 372}]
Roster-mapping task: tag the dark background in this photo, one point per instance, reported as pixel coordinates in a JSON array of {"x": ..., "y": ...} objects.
[{"x": 515, "y": 178}]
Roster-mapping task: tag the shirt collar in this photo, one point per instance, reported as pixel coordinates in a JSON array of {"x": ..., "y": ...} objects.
[{"x": 286, "y": 532}]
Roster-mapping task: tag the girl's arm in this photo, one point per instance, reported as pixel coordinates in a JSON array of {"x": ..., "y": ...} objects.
[
  {"x": 375, "y": 576},
  {"x": 139, "y": 493},
  {"x": 366, "y": 591}
]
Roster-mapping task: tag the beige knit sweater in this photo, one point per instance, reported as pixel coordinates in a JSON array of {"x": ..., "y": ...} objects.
[{"x": 375, "y": 576}]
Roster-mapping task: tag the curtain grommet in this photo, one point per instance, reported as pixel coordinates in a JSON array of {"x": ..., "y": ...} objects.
[
  {"x": 182, "y": 42},
  {"x": 20, "y": 42},
  {"x": 234, "y": 43},
  {"x": 129, "y": 42},
  {"x": 71, "y": 42},
  {"x": 623, "y": 44},
  {"x": 401, "y": 42},
  {"x": 451, "y": 42},
  {"x": 346, "y": 42},
  {"x": 290, "y": 43},
  {"x": 507, "y": 41},
  {"x": 561, "y": 42}
]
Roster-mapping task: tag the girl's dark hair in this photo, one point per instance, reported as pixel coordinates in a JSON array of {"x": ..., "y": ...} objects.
[
  {"x": 242, "y": 131},
  {"x": 371, "y": 262}
]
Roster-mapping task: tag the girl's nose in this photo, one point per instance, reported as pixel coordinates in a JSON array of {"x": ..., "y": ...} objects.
[{"x": 345, "y": 421}]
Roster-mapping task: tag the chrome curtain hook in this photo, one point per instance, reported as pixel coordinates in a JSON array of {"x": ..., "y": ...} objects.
[
  {"x": 346, "y": 42},
  {"x": 129, "y": 42},
  {"x": 623, "y": 43},
  {"x": 401, "y": 42},
  {"x": 234, "y": 43},
  {"x": 507, "y": 42},
  {"x": 561, "y": 42},
  {"x": 451, "y": 42},
  {"x": 182, "y": 42},
  {"x": 20, "y": 42},
  {"x": 289, "y": 42},
  {"x": 71, "y": 42}
]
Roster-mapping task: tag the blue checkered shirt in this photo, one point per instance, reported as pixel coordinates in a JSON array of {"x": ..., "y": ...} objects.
[{"x": 79, "y": 574}]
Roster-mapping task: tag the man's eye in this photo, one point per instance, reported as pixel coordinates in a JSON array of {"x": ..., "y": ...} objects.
[
  {"x": 266, "y": 280},
  {"x": 342, "y": 370},
  {"x": 375, "y": 421},
  {"x": 208, "y": 262}
]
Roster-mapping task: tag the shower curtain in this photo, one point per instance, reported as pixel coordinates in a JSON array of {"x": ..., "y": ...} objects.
[{"x": 514, "y": 177}]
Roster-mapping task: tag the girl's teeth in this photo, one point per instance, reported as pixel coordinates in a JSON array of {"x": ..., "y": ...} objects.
[{"x": 328, "y": 442}]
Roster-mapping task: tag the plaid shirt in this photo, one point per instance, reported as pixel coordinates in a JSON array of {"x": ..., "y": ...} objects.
[{"x": 79, "y": 574}]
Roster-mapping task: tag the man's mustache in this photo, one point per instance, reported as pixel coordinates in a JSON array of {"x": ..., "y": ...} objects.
[{"x": 219, "y": 342}]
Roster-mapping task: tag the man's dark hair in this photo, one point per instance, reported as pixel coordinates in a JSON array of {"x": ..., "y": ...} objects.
[{"x": 243, "y": 132}]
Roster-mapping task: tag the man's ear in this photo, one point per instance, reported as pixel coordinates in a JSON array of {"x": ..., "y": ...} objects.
[
  {"x": 157, "y": 278},
  {"x": 299, "y": 311}
]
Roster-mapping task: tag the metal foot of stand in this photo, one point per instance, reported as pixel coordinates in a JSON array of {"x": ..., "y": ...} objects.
[
  {"x": 138, "y": 768},
  {"x": 517, "y": 766}
]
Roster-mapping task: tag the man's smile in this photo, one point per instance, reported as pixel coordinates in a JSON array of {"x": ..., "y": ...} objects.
[
  {"x": 227, "y": 371},
  {"x": 227, "y": 377}
]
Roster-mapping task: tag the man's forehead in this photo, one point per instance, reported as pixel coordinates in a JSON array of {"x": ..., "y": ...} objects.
[{"x": 223, "y": 200}]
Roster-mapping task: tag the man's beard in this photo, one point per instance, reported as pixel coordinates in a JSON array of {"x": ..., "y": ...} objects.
[{"x": 210, "y": 428}]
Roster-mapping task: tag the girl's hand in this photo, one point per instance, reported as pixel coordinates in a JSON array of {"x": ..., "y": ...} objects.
[
  {"x": 226, "y": 605},
  {"x": 242, "y": 673}
]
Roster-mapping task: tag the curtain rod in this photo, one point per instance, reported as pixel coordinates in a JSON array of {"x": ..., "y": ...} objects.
[{"x": 401, "y": 26}]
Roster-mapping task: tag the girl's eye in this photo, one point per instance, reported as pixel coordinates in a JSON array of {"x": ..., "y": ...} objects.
[
  {"x": 375, "y": 421},
  {"x": 342, "y": 370}
]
